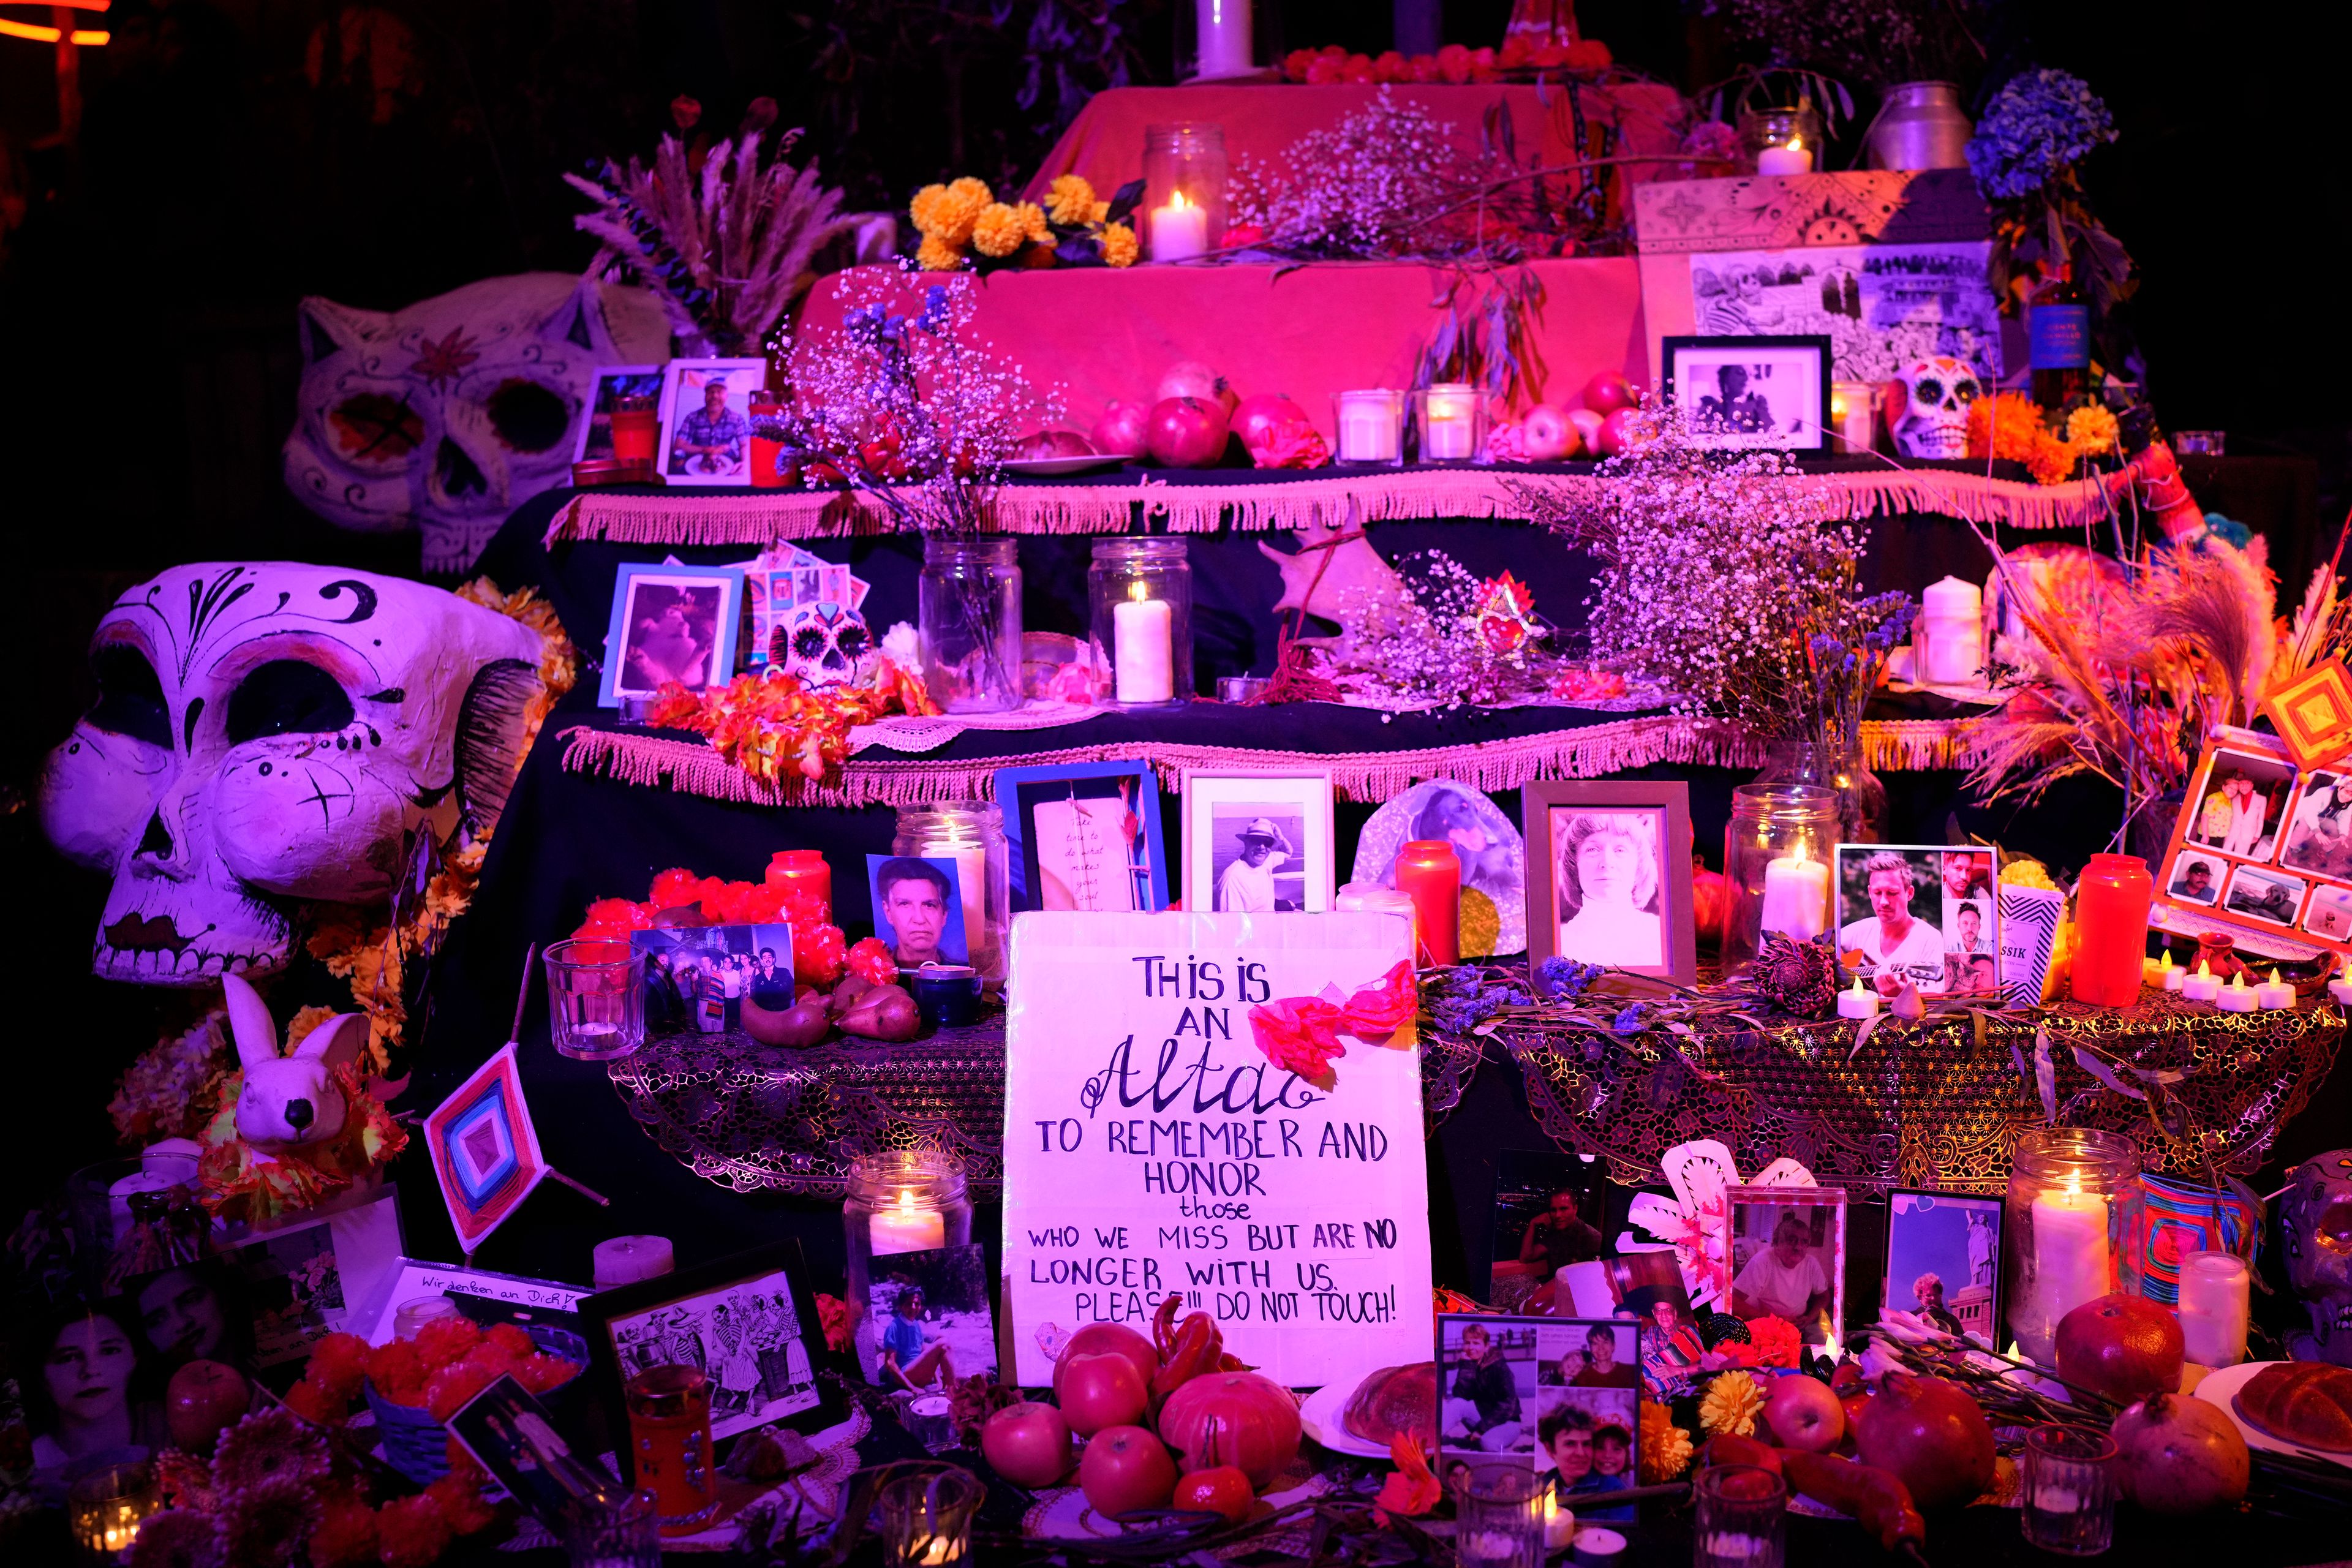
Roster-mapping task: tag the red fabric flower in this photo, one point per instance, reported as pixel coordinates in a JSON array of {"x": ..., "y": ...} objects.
[
  {"x": 614, "y": 917},
  {"x": 1295, "y": 64},
  {"x": 444, "y": 1340},
  {"x": 674, "y": 887},
  {"x": 1410, "y": 1490},
  {"x": 1292, "y": 444},
  {"x": 459, "y": 1496},
  {"x": 819, "y": 954},
  {"x": 870, "y": 961},
  {"x": 1241, "y": 234},
  {"x": 1776, "y": 1340},
  {"x": 314, "y": 1402},
  {"x": 1589, "y": 55},
  {"x": 338, "y": 1363},
  {"x": 345, "y": 1537},
  {"x": 411, "y": 1532},
  {"x": 398, "y": 1371},
  {"x": 1299, "y": 1035},
  {"x": 1378, "y": 1011}
]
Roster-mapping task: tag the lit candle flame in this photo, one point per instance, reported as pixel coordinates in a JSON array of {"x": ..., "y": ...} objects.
[{"x": 1135, "y": 592}]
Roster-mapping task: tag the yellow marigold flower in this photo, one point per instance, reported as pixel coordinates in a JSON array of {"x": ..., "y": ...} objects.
[
  {"x": 1070, "y": 199},
  {"x": 2022, "y": 873},
  {"x": 298, "y": 1028},
  {"x": 2091, "y": 429},
  {"x": 1118, "y": 248},
  {"x": 949, "y": 212},
  {"x": 2004, "y": 426},
  {"x": 936, "y": 254},
  {"x": 2051, "y": 462},
  {"x": 1732, "y": 1403},
  {"x": 1665, "y": 1448},
  {"x": 1032, "y": 217},
  {"x": 1000, "y": 231},
  {"x": 1099, "y": 212}
]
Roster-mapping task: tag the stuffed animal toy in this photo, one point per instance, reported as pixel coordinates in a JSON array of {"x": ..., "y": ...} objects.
[{"x": 289, "y": 1100}]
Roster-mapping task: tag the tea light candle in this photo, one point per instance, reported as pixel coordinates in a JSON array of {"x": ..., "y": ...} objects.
[
  {"x": 2342, "y": 991},
  {"x": 1449, "y": 427},
  {"x": 1598, "y": 1546},
  {"x": 1143, "y": 656},
  {"x": 2213, "y": 1287},
  {"x": 2236, "y": 997},
  {"x": 2274, "y": 992},
  {"x": 1559, "y": 1523},
  {"x": 2201, "y": 986},
  {"x": 2168, "y": 975},
  {"x": 624, "y": 1259},
  {"x": 1179, "y": 230},
  {"x": 2070, "y": 1251},
  {"x": 1858, "y": 1002},
  {"x": 1795, "y": 895},
  {"x": 1795, "y": 158},
  {"x": 906, "y": 1228}
]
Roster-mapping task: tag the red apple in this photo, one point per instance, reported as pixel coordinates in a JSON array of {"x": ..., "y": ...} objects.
[
  {"x": 1547, "y": 435},
  {"x": 2123, "y": 1346},
  {"x": 1099, "y": 1391},
  {"x": 1805, "y": 1415},
  {"x": 1054, "y": 444},
  {"x": 202, "y": 1398},
  {"x": 1125, "y": 1468},
  {"x": 1185, "y": 432},
  {"x": 1262, "y": 413},
  {"x": 1219, "y": 1489},
  {"x": 1028, "y": 1444},
  {"x": 1117, "y": 1338},
  {"x": 1588, "y": 430},
  {"x": 1120, "y": 428},
  {"x": 1607, "y": 392},
  {"x": 1932, "y": 1436},
  {"x": 2180, "y": 1456},
  {"x": 1191, "y": 378},
  {"x": 1617, "y": 435}
]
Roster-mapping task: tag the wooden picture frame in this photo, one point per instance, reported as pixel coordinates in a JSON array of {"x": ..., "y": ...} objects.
[
  {"x": 1795, "y": 417},
  {"x": 1619, "y": 942},
  {"x": 1220, "y": 807}
]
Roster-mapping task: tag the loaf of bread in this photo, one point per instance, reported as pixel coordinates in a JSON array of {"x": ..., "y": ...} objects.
[
  {"x": 1395, "y": 1399},
  {"x": 2307, "y": 1403}
]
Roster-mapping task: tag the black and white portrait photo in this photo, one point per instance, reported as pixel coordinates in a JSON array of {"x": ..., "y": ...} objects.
[
  {"x": 1258, "y": 843},
  {"x": 1743, "y": 391},
  {"x": 746, "y": 1338}
]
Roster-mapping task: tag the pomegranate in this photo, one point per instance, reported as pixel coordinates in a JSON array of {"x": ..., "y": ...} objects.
[
  {"x": 1932, "y": 1436},
  {"x": 2120, "y": 1345},
  {"x": 1607, "y": 392},
  {"x": 1185, "y": 432},
  {"x": 1262, "y": 413},
  {"x": 1028, "y": 1444},
  {"x": 1547, "y": 435},
  {"x": 1054, "y": 444},
  {"x": 1120, "y": 428},
  {"x": 1125, "y": 1468},
  {"x": 1191, "y": 378},
  {"x": 2176, "y": 1455}
]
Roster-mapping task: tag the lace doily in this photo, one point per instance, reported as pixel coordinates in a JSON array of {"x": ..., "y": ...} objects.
[{"x": 906, "y": 733}]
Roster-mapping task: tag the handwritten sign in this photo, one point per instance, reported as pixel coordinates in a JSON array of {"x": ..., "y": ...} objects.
[
  {"x": 416, "y": 1278},
  {"x": 1151, "y": 1148}
]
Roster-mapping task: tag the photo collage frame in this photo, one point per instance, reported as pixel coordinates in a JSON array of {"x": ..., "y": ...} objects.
[
  {"x": 1926, "y": 913},
  {"x": 2262, "y": 850}
]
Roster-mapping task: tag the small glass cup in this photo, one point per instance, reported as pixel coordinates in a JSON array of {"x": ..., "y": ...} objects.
[
  {"x": 617, "y": 1529},
  {"x": 1451, "y": 416},
  {"x": 2070, "y": 1490},
  {"x": 669, "y": 1446},
  {"x": 2199, "y": 443},
  {"x": 1241, "y": 688},
  {"x": 1370, "y": 424},
  {"x": 927, "y": 1519},
  {"x": 412, "y": 1315},
  {"x": 107, "y": 1507},
  {"x": 1742, "y": 1516},
  {"x": 596, "y": 999},
  {"x": 930, "y": 1421},
  {"x": 1500, "y": 1520}
]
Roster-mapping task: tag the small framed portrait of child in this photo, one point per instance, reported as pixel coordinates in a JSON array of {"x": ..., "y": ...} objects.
[
  {"x": 1609, "y": 876},
  {"x": 670, "y": 624}
]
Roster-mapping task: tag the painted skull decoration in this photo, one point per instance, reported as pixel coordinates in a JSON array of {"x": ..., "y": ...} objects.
[
  {"x": 267, "y": 733},
  {"x": 447, "y": 414},
  {"x": 2315, "y": 1227},
  {"x": 1934, "y": 419},
  {"x": 823, "y": 644}
]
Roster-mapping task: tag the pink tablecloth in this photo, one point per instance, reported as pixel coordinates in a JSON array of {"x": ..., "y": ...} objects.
[
  {"x": 1310, "y": 332},
  {"x": 1105, "y": 144}
]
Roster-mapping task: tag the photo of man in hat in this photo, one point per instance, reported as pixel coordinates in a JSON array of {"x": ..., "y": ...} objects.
[{"x": 1246, "y": 886}]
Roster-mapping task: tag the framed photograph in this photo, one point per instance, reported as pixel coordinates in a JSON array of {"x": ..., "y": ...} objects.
[
  {"x": 2239, "y": 803},
  {"x": 1748, "y": 391},
  {"x": 1943, "y": 1261},
  {"x": 1084, "y": 837},
  {"x": 1924, "y": 914},
  {"x": 614, "y": 382},
  {"x": 747, "y": 1323},
  {"x": 1547, "y": 1218},
  {"x": 2265, "y": 896},
  {"x": 919, "y": 909},
  {"x": 1258, "y": 842},
  {"x": 2261, "y": 849},
  {"x": 670, "y": 622},
  {"x": 929, "y": 1325},
  {"x": 1485, "y": 841},
  {"x": 1785, "y": 1249},
  {"x": 1609, "y": 876},
  {"x": 706, "y": 420},
  {"x": 1557, "y": 1398}
]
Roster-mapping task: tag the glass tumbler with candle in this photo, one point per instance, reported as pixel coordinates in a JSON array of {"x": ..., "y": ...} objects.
[
  {"x": 1142, "y": 595},
  {"x": 2073, "y": 1196},
  {"x": 2068, "y": 1490},
  {"x": 1776, "y": 856},
  {"x": 803, "y": 872},
  {"x": 1500, "y": 1520},
  {"x": 971, "y": 834},
  {"x": 1782, "y": 141},
  {"x": 106, "y": 1508},
  {"x": 669, "y": 1446},
  {"x": 1183, "y": 190},
  {"x": 901, "y": 1200},
  {"x": 613, "y": 1529},
  {"x": 1451, "y": 419},
  {"x": 967, "y": 614},
  {"x": 1742, "y": 1517},
  {"x": 596, "y": 999},
  {"x": 1370, "y": 425},
  {"x": 2111, "y": 907},
  {"x": 927, "y": 1519},
  {"x": 636, "y": 427}
]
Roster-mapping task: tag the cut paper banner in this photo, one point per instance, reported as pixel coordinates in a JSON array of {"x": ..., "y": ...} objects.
[{"x": 485, "y": 1150}]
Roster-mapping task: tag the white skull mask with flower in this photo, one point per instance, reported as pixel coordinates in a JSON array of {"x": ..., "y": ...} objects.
[{"x": 1934, "y": 419}]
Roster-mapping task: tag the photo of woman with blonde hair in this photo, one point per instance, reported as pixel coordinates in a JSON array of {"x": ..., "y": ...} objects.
[{"x": 1606, "y": 877}]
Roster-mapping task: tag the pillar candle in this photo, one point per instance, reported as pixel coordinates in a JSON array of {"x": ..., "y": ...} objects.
[
  {"x": 1951, "y": 633},
  {"x": 2274, "y": 992},
  {"x": 1858, "y": 1002},
  {"x": 1795, "y": 158},
  {"x": 2236, "y": 997},
  {"x": 1143, "y": 654},
  {"x": 2213, "y": 1287},
  {"x": 2111, "y": 906},
  {"x": 1224, "y": 27},
  {"x": 1559, "y": 1523},
  {"x": 624, "y": 1259},
  {"x": 1796, "y": 895},
  {"x": 1179, "y": 230},
  {"x": 1428, "y": 872},
  {"x": 1449, "y": 423},
  {"x": 2070, "y": 1252},
  {"x": 906, "y": 1227},
  {"x": 1370, "y": 427},
  {"x": 802, "y": 870},
  {"x": 2201, "y": 986}
]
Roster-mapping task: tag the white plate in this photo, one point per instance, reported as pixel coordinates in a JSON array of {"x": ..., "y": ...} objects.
[
  {"x": 1046, "y": 467},
  {"x": 2221, "y": 1387},
  {"x": 1320, "y": 1412}
]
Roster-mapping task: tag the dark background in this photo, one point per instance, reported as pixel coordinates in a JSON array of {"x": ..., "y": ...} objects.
[{"x": 237, "y": 155}]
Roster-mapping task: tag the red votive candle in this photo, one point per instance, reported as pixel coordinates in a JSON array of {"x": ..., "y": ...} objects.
[
  {"x": 767, "y": 417},
  {"x": 1428, "y": 873},
  {"x": 636, "y": 428},
  {"x": 2111, "y": 905},
  {"x": 804, "y": 871}
]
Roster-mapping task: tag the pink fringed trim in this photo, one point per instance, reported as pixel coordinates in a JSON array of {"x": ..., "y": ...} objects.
[
  {"x": 1908, "y": 745},
  {"x": 1377, "y": 495},
  {"x": 692, "y": 767}
]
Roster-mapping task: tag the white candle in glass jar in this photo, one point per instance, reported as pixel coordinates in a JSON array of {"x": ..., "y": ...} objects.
[
  {"x": 905, "y": 1227},
  {"x": 2071, "y": 1255},
  {"x": 1143, "y": 651},
  {"x": 1795, "y": 895},
  {"x": 1369, "y": 427},
  {"x": 1795, "y": 158},
  {"x": 1449, "y": 431},
  {"x": 2213, "y": 1289},
  {"x": 1179, "y": 230}
]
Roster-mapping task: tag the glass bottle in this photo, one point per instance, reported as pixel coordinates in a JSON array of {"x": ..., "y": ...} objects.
[
  {"x": 1184, "y": 207},
  {"x": 1141, "y": 590},
  {"x": 901, "y": 1200},
  {"x": 1776, "y": 856},
  {"x": 970, "y": 833},
  {"x": 968, "y": 604},
  {"x": 669, "y": 1446},
  {"x": 2058, "y": 335},
  {"x": 2073, "y": 1200}
]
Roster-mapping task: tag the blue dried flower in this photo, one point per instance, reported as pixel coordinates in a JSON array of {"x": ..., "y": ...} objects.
[
  {"x": 1460, "y": 1015},
  {"x": 2036, "y": 130},
  {"x": 935, "y": 309},
  {"x": 1564, "y": 978},
  {"x": 1628, "y": 1022}
]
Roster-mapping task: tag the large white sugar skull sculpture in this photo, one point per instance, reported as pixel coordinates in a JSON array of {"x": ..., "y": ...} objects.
[
  {"x": 1933, "y": 421},
  {"x": 445, "y": 415},
  {"x": 2316, "y": 1228},
  {"x": 823, "y": 644},
  {"x": 266, "y": 733}
]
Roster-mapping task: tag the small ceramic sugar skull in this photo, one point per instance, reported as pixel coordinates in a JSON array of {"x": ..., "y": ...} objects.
[
  {"x": 823, "y": 645},
  {"x": 1933, "y": 421},
  {"x": 2316, "y": 1228}
]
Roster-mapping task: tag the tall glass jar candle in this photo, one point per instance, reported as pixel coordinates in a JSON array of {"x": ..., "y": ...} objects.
[
  {"x": 2073, "y": 1198},
  {"x": 901, "y": 1200},
  {"x": 1451, "y": 416},
  {"x": 2111, "y": 908},
  {"x": 1776, "y": 856},
  {"x": 968, "y": 603},
  {"x": 1183, "y": 190},
  {"x": 1142, "y": 595},
  {"x": 669, "y": 1446},
  {"x": 970, "y": 833},
  {"x": 1370, "y": 425}
]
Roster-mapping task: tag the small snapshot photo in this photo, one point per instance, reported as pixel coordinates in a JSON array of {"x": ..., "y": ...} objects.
[
  {"x": 1648, "y": 1287},
  {"x": 1607, "y": 885},
  {"x": 512, "y": 1436},
  {"x": 2197, "y": 878},
  {"x": 1921, "y": 914},
  {"x": 1786, "y": 1255},
  {"x": 671, "y": 624},
  {"x": 1488, "y": 1372},
  {"x": 1258, "y": 843},
  {"x": 2240, "y": 803},
  {"x": 1085, "y": 836},
  {"x": 1751, "y": 390},
  {"x": 745, "y": 1337},
  {"x": 2329, "y": 914},
  {"x": 1943, "y": 1261},
  {"x": 1547, "y": 1218},
  {"x": 699, "y": 978},
  {"x": 2319, "y": 840},
  {"x": 919, "y": 909},
  {"x": 929, "y": 1326},
  {"x": 2257, "y": 893},
  {"x": 705, "y": 432},
  {"x": 623, "y": 419},
  {"x": 1588, "y": 1422},
  {"x": 1486, "y": 844}
]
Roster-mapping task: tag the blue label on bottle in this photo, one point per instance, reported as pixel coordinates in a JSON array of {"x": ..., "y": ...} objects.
[{"x": 2060, "y": 335}]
